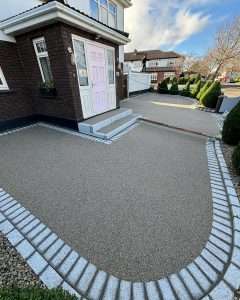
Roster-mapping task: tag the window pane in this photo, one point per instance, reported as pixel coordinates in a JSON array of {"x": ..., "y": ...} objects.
[
  {"x": 112, "y": 20},
  {"x": 46, "y": 68},
  {"x": 104, "y": 15},
  {"x": 110, "y": 58},
  {"x": 41, "y": 46},
  {"x": 112, "y": 8},
  {"x": 81, "y": 63},
  {"x": 94, "y": 9},
  {"x": 1, "y": 83},
  {"x": 103, "y": 2}
]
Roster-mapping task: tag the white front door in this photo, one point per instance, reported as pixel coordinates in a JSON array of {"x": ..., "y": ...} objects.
[{"x": 96, "y": 76}]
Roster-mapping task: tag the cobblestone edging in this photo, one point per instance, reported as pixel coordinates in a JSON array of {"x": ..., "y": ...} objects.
[{"x": 213, "y": 275}]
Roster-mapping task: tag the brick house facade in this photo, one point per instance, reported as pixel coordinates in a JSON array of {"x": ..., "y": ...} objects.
[{"x": 22, "y": 103}]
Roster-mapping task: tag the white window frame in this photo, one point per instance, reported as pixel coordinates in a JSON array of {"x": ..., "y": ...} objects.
[
  {"x": 108, "y": 11},
  {"x": 39, "y": 55},
  {"x": 154, "y": 76},
  {"x": 4, "y": 85}
]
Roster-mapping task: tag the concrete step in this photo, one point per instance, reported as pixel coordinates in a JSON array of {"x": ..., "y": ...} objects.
[
  {"x": 92, "y": 125},
  {"x": 116, "y": 127}
]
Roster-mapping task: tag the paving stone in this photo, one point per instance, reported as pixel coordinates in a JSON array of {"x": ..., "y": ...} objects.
[
  {"x": 236, "y": 211},
  {"x": 152, "y": 291},
  {"x": 16, "y": 213},
  {"x": 232, "y": 276},
  {"x": 212, "y": 260},
  {"x": 25, "y": 221},
  {"x": 25, "y": 249},
  {"x": 219, "y": 191},
  {"x": 70, "y": 290},
  {"x": 36, "y": 231},
  {"x": 5, "y": 202},
  {"x": 218, "y": 196},
  {"x": 236, "y": 238},
  {"x": 20, "y": 217},
  {"x": 77, "y": 270},
  {"x": 191, "y": 284},
  {"x": 220, "y": 202},
  {"x": 236, "y": 224},
  {"x": 206, "y": 298},
  {"x": 86, "y": 278},
  {"x": 231, "y": 191},
  {"x": 60, "y": 256},
  {"x": 37, "y": 263},
  {"x": 41, "y": 236},
  {"x": 51, "y": 278},
  {"x": 111, "y": 289},
  {"x": 222, "y": 292},
  {"x": 12, "y": 209},
  {"x": 221, "y": 213},
  {"x": 8, "y": 205},
  {"x": 236, "y": 256},
  {"x": 124, "y": 290},
  {"x": 226, "y": 176},
  {"x": 30, "y": 226},
  {"x": 217, "y": 187},
  {"x": 68, "y": 263},
  {"x": 228, "y": 182},
  {"x": 207, "y": 269},
  {"x": 234, "y": 200},
  {"x": 6, "y": 227},
  {"x": 222, "y": 228},
  {"x": 138, "y": 291},
  {"x": 225, "y": 237},
  {"x": 97, "y": 286},
  {"x": 2, "y": 218},
  {"x": 222, "y": 245},
  {"x": 47, "y": 243},
  {"x": 218, "y": 252},
  {"x": 53, "y": 249},
  {"x": 222, "y": 220},
  {"x": 179, "y": 288},
  {"x": 166, "y": 289},
  {"x": 15, "y": 237},
  {"x": 221, "y": 207}
]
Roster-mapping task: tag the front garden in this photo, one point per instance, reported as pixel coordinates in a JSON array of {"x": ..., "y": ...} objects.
[{"x": 206, "y": 92}]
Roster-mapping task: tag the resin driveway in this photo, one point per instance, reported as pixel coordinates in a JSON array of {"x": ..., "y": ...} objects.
[
  {"x": 173, "y": 110},
  {"x": 139, "y": 208}
]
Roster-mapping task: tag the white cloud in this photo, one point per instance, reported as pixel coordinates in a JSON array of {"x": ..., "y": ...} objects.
[{"x": 164, "y": 23}]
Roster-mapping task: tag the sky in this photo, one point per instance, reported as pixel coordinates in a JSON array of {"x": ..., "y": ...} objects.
[{"x": 185, "y": 26}]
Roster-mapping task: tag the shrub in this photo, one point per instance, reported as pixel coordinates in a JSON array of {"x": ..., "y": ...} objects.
[
  {"x": 198, "y": 77},
  {"x": 231, "y": 127},
  {"x": 182, "y": 80},
  {"x": 203, "y": 89},
  {"x": 236, "y": 159},
  {"x": 174, "y": 88},
  {"x": 210, "y": 97},
  {"x": 196, "y": 89},
  {"x": 163, "y": 86},
  {"x": 34, "y": 294},
  {"x": 186, "y": 91}
]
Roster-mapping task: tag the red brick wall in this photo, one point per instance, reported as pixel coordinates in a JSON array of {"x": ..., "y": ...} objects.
[{"x": 17, "y": 102}]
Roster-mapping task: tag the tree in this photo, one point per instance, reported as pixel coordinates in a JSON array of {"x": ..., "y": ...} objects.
[
  {"x": 210, "y": 97},
  {"x": 227, "y": 46}
]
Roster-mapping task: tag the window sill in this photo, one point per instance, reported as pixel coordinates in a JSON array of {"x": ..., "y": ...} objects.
[{"x": 4, "y": 92}]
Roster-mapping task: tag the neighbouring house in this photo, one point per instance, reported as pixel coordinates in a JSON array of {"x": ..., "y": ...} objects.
[
  {"x": 160, "y": 64},
  {"x": 62, "y": 62}
]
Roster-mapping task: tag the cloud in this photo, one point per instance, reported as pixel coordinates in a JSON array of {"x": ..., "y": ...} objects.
[{"x": 164, "y": 23}]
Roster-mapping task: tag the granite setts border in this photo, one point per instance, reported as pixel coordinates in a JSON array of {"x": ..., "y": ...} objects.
[{"x": 213, "y": 275}]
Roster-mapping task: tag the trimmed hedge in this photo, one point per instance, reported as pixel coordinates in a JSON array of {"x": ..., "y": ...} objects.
[
  {"x": 231, "y": 127},
  {"x": 236, "y": 159},
  {"x": 174, "y": 88},
  {"x": 34, "y": 294},
  {"x": 186, "y": 91},
  {"x": 210, "y": 97},
  {"x": 163, "y": 86},
  {"x": 203, "y": 89}
]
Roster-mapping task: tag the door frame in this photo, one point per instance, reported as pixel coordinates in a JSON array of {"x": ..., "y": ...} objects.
[{"x": 89, "y": 87}]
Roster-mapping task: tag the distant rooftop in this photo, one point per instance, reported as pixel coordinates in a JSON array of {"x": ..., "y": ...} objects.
[{"x": 150, "y": 55}]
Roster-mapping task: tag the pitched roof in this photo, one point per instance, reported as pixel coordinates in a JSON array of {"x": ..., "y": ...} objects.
[
  {"x": 72, "y": 8},
  {"x": 150, "y": 54}
]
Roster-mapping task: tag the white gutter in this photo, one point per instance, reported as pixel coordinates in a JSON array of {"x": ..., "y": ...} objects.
[
  {"x": 6, "y": 38},
  {"x": 53, "y": 12}
]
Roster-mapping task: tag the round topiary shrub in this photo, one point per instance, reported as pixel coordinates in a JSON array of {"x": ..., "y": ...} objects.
[
  {"x": 196, "y": 89},
  {"x": 186, "y": 91},
  {"x": 231, "y": 127},
  {"x": 210, "y": 97},
  {"x": 34, "y": 294},
  {"x": 174, "y": 88},
  {"x": 163, "y": 86},
  {"x": 236, "y": 159},
  {"x": 203, "y": 89}
]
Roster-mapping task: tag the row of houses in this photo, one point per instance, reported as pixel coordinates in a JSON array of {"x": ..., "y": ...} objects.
[{"x": 62, "y": 62}]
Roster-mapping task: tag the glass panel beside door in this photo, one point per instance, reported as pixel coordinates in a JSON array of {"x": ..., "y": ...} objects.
[{"x": 81, "y": 63}]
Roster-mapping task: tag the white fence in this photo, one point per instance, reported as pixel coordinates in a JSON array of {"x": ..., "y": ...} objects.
[
  {"x": 228, "y": 104},
  {"x": 138, "y": 82}
]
